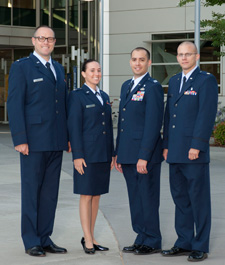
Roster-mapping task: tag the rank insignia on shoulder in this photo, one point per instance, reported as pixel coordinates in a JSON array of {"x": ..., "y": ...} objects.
[{"x": 155, "y": 81}]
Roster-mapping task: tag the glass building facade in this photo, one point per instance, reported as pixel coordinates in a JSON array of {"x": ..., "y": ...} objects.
[{"x": 76, "y": 23}]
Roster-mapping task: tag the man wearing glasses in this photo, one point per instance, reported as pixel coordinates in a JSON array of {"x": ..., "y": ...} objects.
[
  {"x": 188, "y": 123},
  {"x": 37, "y": 117}
]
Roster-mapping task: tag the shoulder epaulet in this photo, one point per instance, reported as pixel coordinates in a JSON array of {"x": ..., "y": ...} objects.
[
  {"x": 204, "y": 73},
  {"x": 77, "y": 89},
  {"x": 22, "y": 59},
  {"x": 154, "y": 81}
]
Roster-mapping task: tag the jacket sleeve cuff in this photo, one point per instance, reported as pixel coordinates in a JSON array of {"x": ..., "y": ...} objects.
[
  {"x": 19, "y": 139},
  {"x": 78, "y": 154},
  {"x": 145, "y": 155},
  {"x": 200, "y": 144}
]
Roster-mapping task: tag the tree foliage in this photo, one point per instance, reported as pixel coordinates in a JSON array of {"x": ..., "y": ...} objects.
[
  {"x": 205, "y": 2},
  {"x": 215, "y": 27}
]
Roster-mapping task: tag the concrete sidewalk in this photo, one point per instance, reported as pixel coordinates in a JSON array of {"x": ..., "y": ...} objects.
[
  {"x": 113, "y": 227},
  {"x": 67, "y": 231}
]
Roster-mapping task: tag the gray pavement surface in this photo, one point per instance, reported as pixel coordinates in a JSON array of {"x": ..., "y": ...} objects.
[{"x": 113, "y": 227}]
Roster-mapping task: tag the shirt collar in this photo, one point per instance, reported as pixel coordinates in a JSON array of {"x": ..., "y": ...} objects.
[
  {"x": 137, "y": 80},
  {"x": 92, "y": 90},
  {"x": 43, "y": 61},
  {"x": 189, "y": 73}
]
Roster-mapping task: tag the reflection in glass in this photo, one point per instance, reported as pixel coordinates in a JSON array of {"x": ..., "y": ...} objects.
[
  {"x": 206, "y": 52},
  {"x": 73, "y": 22},
  {"x": 59, "y": 20},
  {"x": 24, "y": 13},
  {"x": 5, "y": 12},
  {"x": 20, "y": 53},
  {"x": 213, "y": 69},
  {"x": 44, "y": 12},
  {"x": 163, "y": 73},
  {"x": 164, "y": 52}
]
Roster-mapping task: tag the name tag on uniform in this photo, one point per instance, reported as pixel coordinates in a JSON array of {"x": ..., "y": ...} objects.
[
  {"x": 38, "y": 80},
  {"x": 90, "y": 106},
  {"x": 139, "y": 96}
]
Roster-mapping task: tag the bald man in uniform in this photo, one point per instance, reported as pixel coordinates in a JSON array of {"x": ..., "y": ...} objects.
[{"x": 189, "y": 118}]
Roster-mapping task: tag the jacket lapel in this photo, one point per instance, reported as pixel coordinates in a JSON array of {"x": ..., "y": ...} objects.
[
  {"x": 138, "y": 86},
  {"x": 41, "y": 68},
  {"x": 188, "y": 84},
  {"x": 91, "y": 96},
  {"x": 57, "y": 70}
]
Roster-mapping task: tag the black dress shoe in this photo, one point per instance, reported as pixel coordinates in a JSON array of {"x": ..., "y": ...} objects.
[
  {"x": 87, "y": 250},
  {"x": 131, "y": 249},
  {"x": 175, "y": 251},
  {"x": 36, "y": 251},
  {"x": 100, "y": 248},
  {"x": 197, "y": 256},
  {"x": 55, "y": 249},
  {"x": 145, "y": 250}
]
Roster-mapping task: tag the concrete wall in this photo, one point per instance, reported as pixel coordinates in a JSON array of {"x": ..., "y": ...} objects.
[{"x": 130, "y": 23}]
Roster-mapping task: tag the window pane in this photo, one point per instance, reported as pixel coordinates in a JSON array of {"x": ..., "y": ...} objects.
[
  {"x": 20, "y": 53},
  {"x": 73, "y": 22},
  {"x": 58, "y": 20},
  {"x": 213, "y": 69},
  {"x": 24, "y": 13},
  {"x": 44, "y": 12},
  {"x": 5, "y": 12},
  {"x": 207, "y": 50},
  {"x": 173, "y": 36},
  {"x": 164, "y": 52},
  {"x": 163, "y": 73}
]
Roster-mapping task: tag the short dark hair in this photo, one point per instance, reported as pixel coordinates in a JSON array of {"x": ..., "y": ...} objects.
[
  {"x": 84, "y": 66},
  {"x": 141, "y": 48},
  {"x": 43, "y": 26}
]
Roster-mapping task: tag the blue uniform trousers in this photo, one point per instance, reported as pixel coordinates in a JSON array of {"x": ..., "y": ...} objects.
[
  {"x": 40, "y": 174},
  {"x": 143, "y": 193},
  {"x": 190, "y": 189}
]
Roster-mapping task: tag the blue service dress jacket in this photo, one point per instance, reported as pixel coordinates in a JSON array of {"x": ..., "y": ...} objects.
[
  {"x": 190, "y": 116},
  {"x": 37, "y": 105},
  {"x": 140, "y": 122},
  {"x": 90, "y": 126}
]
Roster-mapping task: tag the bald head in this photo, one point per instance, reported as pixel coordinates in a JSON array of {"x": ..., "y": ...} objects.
[
  {"x": 187, "y": 56},
  {"x": 190, "y": 44}
]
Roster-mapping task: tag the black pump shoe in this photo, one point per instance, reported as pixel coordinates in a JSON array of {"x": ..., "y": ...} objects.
[
  {"x": 100, "y": 248},
  {"x": 87, "y": 250}
]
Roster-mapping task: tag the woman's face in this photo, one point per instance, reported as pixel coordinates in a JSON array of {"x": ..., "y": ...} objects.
[{"x": 92, "y": 74}]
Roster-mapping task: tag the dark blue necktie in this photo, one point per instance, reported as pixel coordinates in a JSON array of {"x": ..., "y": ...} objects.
[
  {"x": 130, "y": 87},
  {"x": 49, "y": 68},
  {"x": 184, "y": 80}
]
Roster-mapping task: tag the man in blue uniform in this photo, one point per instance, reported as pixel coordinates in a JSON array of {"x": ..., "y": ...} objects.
[
  {"x": 189, "y": 119},
  {"x": 37, "y": 117},
  {"x": 139, "y": 151}
]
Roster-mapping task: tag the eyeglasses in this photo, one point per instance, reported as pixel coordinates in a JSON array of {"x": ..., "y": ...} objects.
[
  {"x": 180, "y": 55},
  {"x": 42, "y": 39}
]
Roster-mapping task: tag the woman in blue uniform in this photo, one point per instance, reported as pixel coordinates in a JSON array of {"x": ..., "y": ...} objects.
[{"x": 91, "y": 138}]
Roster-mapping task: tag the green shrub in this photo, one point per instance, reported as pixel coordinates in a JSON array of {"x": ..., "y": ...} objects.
[{"x": 219, "y": 134}]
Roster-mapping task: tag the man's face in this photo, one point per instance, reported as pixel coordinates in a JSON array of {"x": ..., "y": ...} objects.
[
  {"x": 187, "y": 57},
  {"x": 44, "y": 49},
  {"x": 139, "y": 63}
]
